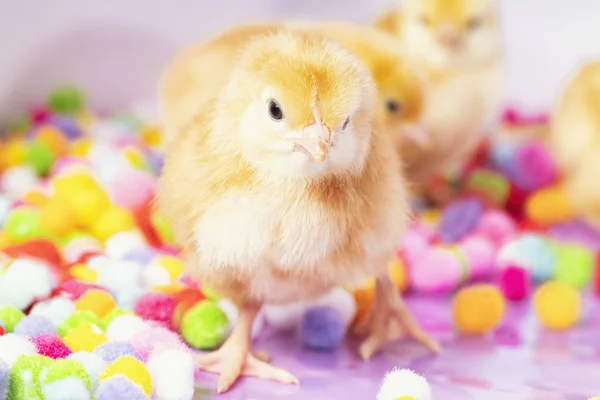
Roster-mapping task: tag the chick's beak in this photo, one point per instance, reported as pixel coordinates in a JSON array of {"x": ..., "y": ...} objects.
[
  {"x": 449, "y": 37},
  {"x": 315, "y": 141},
  {"x": 417, "y": 135}
]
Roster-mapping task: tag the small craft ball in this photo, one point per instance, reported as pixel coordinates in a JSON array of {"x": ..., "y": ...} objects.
[
  {"x": 35, "y": 198},
  {"x": 479, "y": 253},
  {"x": 232, "y": 313},
  {"x": 132, "y": 188},
  {"x": 491, "y": 185},
  {"x": 412, "y": 246},
  {"x": 76, "y": 319},
  {"x": 156, "y": 307},
  {"x": 538, "y": 256},
  {"x": 56, "y": 309},
  {"x": 2, "y": 331},
  {"x": 574, "y": 265},
  {"x": 364, "y": 298},
  {"x": 173, "y": 265},
  {"x": 132, "y": 369},
  {"x": 56, "y": 218},
  {"x": 13, "y": 346},
  {"x": 23, "y": 223},
  {"x": 10, "y": 316},
  {"x": 84, "y": 274},
  {"x": 123, "y": 243},
  {"x": 404, "y": 384},
  {"x": 536, "y": 167},
  {"x": 112, "y": 221},
  {"x": 66, "y": 379},
  {"x": 4, "y": 379},
  {"x": 163, "y": 228},
  {"x": 66, "y": 100},
  {"x": 478, "y": 309},
  {"x": 549, "y": 206},
  {"x": 18, "y": 289},
  {"x": 18, "y": 180},
  {"x": 34, "y": 325},
  {"x": 321, "y": 328},
  {"x": 340, "y": 300},
  {"x": 155, "y": 275},
  {"x": 120, "y": 387},
  {"x": 113, "y": 314},
  {"x": 439, "y": 271},
  {"x": 172, "y": 375},
  {"x": 284, "y": 317},
  {"x": 557, "y": 305},
  {"x": 141, "y": 256},
  {"x": 40, "y": 157},
  {"x": 98, "y": 302},
  {"x": 51, "y": 345},
  {"x": 74, "y": 289},
  {"x": 53, "y": 138},
  {"x": 399, "y": 274},
  {"x": 68, "y": 183},
  {"x": 155, "y": 338},
  {"x": 25, "y": 377},
  {"x": 110, "y": 351},
  {"x": 88, "y": 206},
  {"x": 85, "y": 337},
  {"x": 497, "y": 226},
  {"x": 93, "y": 364},
  {"x": 459, "y": 219},
  {"x": 186, "y": 299},
  {"x": 204, "y": 326},
  {"x": 515, "y": 283}
]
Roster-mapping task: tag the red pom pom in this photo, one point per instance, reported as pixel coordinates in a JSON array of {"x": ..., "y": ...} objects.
[
  {"x": 185, "y": 300},
  {"x": 51, "y": 345},
  {"x": 2, "y": 331},
  {"x": 156, "y": 307},
  {"x": 515, "y": 203}
]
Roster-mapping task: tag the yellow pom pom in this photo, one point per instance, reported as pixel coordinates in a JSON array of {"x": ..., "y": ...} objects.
[
  {"x": 13, "y": 153},
  {"x": 478, "y": 308},
  {"x": 151, "y": 135},
  {"x": 88, "y": 206},
  {"x": 431, "y": 216},
  {"x": 65, "y": 184},
  {"x": 557, "y": 305},
  {"x": 85, "y": 337},
  {"x": 96, "y": 301},
  {"x": 173, "y": 288},
  {"x": 35, "y": 198},
  {"x": 83, "y": 273},
  {"x": 132, "y": 369},
  {"x": 81, "y": 147},
  {"x": 173, "y": 265},
  {"x": 134, "y": 157},
  {"x": 364, "y": 297},
  {"x": 57, "y": 219},
  {"x": 112, "y": 221},
  {"x": 549, "y": 206},
  {"x": 398, "y": 274}
]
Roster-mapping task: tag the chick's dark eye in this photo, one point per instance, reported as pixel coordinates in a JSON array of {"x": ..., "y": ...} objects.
[
  {"x": 393, "y": 106},
  {"x": 275, "y": 111},
  {"x": 346, "y": 122},
  {"x": 473, "y": 23},
  {"x": 424, "y": 20}
]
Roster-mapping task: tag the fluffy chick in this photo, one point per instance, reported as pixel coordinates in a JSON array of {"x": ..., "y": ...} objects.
[
  {"x": 574, "y": 140},
  {"x": 281, "y": 188},
  {"x": 458, "y": 43}
]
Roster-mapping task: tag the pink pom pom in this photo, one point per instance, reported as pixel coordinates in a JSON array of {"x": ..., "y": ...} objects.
[
  {"x": 497, "y": 225},
  {"x": 155, "y": 339},
  {"x": 437, "y": 271},
  {"x": 515, "y": 283},
  {"x": 74, "y": 289},
  {"x": 413, "y": 246},
  {"x": 480, "y": 254},
  {"x": 156, "y": 307},
  {"x": 132, "y": 188},
  {"x": 51, "y": 345}
]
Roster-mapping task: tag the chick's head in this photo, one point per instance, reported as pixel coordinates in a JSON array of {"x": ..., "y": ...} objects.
[
  {"x": 453, "y": 33},
  {"x": 303, "y": 107}
]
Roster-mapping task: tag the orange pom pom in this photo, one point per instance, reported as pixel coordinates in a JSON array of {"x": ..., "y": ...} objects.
[{"x": 478, "y": 309}]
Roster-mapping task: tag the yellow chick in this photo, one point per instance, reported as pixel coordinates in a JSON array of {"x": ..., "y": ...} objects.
[
  {"x": 574, "y": 140},
  {"x": 282, "y": 187},
  {"x": 458, "y": 43}
]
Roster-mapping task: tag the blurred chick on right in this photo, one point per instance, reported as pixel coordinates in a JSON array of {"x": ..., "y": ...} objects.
[
  {"x": 458, "y": 44},
  {"x": 574, "y": 140}
]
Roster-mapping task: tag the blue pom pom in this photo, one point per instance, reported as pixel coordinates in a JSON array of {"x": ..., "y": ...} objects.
[
  {"x": 321, "y": 328},
  {"x": 539, "y": 256},
  {"x": 119, "y": 387},
  {"x": 34, "y": 325},
  {"x": 110, "y": 351},
  {"x": 4, "y": 379}
]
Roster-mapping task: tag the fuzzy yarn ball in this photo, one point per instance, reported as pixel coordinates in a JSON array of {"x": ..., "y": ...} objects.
[
  {"x": 125, "y": 327},
  {"x": 478, "y": 309},
  {"x": 98, "y": 302},
  {"x": 438, "y": 271},
  {"x": 515, "y": 283},
  {"x": 110, "y": 351},
  {"x": 34, "y": 325},
  {"x": 172, "y": 374},
  {"x": 119, "y": 245},
  {"x": 404, "y": 384},
  {"x": 557, "y": 305},
  {"x": 25, "y": 377},
  {"x": 76, "y": 319},
  {"x": 459, "y": 219},
  {"x": 286, "y": 317},
  {"x": 93, "y": 364},
  {"x": 13, "y": 346},
  {"x": 156, "y": 307},
  {"x": 10, "y": 316},
  {"x": 155, "y": 338},
  {"x": 51, "y": 345},
  {"x": 74, "y": 289},
  {"x": 205, "y": 325},
  {"x": 132, "y": 369},
  {"x": 56, "y": 309},
  {"x": 479, "y": 253},
  {"x": 321, "y": 328},
  {"x": 120, "y": 387},
  {"x": 4, "y": 379},
  {"x": 66, "y": 380},
  {"x": 132, "y": 188},
  {"x": 85, "y": 337}
]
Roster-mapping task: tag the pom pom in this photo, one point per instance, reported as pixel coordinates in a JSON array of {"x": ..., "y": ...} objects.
[
  {"x": 172, "y": 375},
  {"x": 56, "y": 309},
  {"x": 459, "y": 219},
  {"x": 341, "y": 301},
  {"x": 412, "y": 246},
  {"x": 122, "y": 243},
  {"x": 131, "y": 188},
  {"x": 284, "y": 317},
  {"x": 76, "y": 319},
  {"x": 479, "y": 254},
  {"x": 557, "y": 305},
  {"x": 205, "y": 325},
  {"x": 403, "y": 384},
  {"x": 110, "y": 351},
  {"x": 549, "y": 206},
  {"x": 156, "y": 307},
  {"x": 18, "y": 289},
  {"x": 114, "y": 313},
  {"x": 25, "y": 377},
  {"x": 535, "y": 167},
  {"x": 515, "y": 283},
  {"x": 132, "y": 369},
  {"x": 574, "y": 265},
  {"x": 18, "y": 180},
  {"x": 440, "y": 270},
  {"x": 111, "y": 222},
  {"x": 66, "y": 379},
  {"x": 478, "y": 309},
  {"x": 124, "y": 328},
  {"x": 188, "y": 298},
  {"x": 85, "y": 337},
  {"x": 13, "y": 346},
  {"x": 93, "y": 364},
  {"x": 153, "y": 339},
  {"x": 232, "y": 313},
  {"x": 10, "y": 316},
  {"x": 538, "y": 256},
  {"x": 34, "y": 325},
  {"x": 4, "y": 379},
  {"x": 74, "y": 289},
  {"x": 321, "y": 328},
  {"x": 497, "y": 226},
  {"x": 120, "y": 387},
  {"x": 98, "y": 302},
  {"x": 51, "y": 345}
]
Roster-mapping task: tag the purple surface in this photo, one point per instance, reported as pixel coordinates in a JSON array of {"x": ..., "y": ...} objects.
[{"x": 520, "y": 361}]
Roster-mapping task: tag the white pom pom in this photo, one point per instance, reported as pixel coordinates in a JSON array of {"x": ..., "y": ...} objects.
[
  {"x": 155, "y": 275},
  {"x": 172, "y": 375},
  {"x": 13, "y": 346},
  {"x": 118, "y": 245},
  {"x": 403, "y": 382},
  {"x": 285, "y": 317},
  {"x": 66, "y": 389},
  {"x": 56, "y": 309},
  {"x": 18, "y": 289},
  {"x": 17, "y": 181},
  {"x": 5, "y": 205},
  {"x": 232, "y": 314},
  {"x": 120, "y": 275},
  {"x": 124, "y": 328},
  {"x": 93, "y": 364},
  {"x": 342, "y": 301}
]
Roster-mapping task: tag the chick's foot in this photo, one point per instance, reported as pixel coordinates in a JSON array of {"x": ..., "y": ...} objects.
[{"x": 389, "y": 320}]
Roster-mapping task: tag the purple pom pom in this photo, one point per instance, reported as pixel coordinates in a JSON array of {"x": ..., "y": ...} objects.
[
  {"x": 141, "y": 256},
  {"x": 34, "y": 325},
  {"x": 110, "y": 351},
  {"x": 119, "y": 387},
  {"x": 459, "y": 219},
  {"x": 321, "y": 328},
  {"x": 4, "y": 379},
  {"x": 68, "y": 126}
]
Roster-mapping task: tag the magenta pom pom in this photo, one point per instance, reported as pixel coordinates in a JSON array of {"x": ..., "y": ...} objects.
[
  {"x": 497, "y": 225},
  {"x": 74, "y": 289},
  {"x": 515, "y": 283},
  {"x": 156, "y": 307},
  {"x": 131, "y": 188},
  {"x": 51, "y": 345},
  {"x": 479, "y": 253},
  {"x": 154, "y": 339},
  {"x": 440, "y": 270}
]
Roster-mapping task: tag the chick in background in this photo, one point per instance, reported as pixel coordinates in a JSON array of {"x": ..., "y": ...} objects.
[
  {"x": 458, "y": 44},
  {"x": 280, "y": 186},
  {"x": 574, "y": 140}
]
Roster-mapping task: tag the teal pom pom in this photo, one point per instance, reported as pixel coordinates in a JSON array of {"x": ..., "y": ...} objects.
[
  {"x": 76, "y": 319},
  {"x": 25, "y": 377}
]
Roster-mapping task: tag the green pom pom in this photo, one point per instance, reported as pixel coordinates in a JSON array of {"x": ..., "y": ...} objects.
[
  {"x": 205, "y": 325},
  {"x": 40, "y": 157},
  {"x": 10, "y": 316},
  {"x": 210, "y": 294},
  {"x": 574, "y": 265},
  {"x": 22, "y": 224},
  {"x": 76, "y": 319},
  {"x": 114, "y": 313},
  {"x": 66, "y": 100},
  {"x": 56, "y": 386},
  {"x": 25, "y": 377}
]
